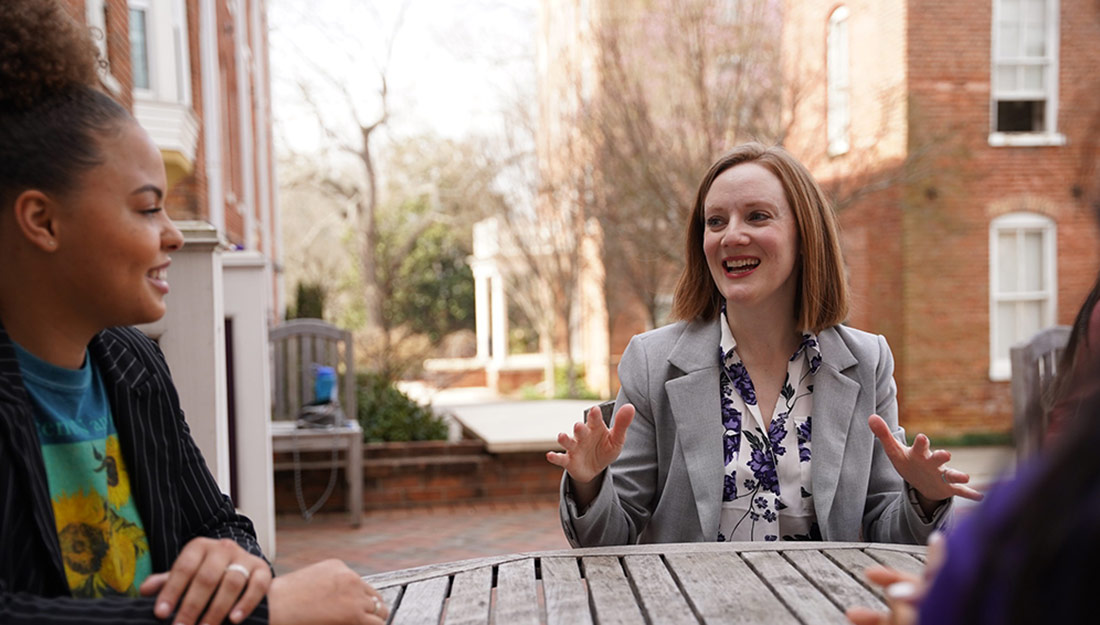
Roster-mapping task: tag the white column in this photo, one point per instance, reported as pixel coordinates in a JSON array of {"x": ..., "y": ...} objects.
[
  {"x": 247, "y": 291},
  {"x": 245, "y": 102},
  {"x": 211, "y": 112},
  {"x": 481, "y": 313},
  {"x": 499, "y": 319},
  {"x": 192, "y": 337}
]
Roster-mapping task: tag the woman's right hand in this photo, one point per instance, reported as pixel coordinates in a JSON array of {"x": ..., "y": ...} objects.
[
  {"x": 326, "y": 593},
  {"x": 593, "y": 446}
]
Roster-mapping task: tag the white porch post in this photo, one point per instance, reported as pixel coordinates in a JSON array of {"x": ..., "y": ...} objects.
[
  {"x": 192, "y": 337},
  {"x": 247, "y": 300},
  {"x": 500, "y": 319},
  {"x": 481, "y": 311}
]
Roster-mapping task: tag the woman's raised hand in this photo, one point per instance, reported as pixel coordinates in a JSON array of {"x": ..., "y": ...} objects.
[
  {"x": 921, "y": 467},
  {"x": 593, "y": 446}
]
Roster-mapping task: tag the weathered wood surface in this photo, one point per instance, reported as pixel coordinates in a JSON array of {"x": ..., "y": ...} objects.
[{"x": 797, "y": 583}]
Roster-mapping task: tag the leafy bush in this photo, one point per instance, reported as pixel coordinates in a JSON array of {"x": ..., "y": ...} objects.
[
  {"x": 561, "y": 386},
  {"x": 386, "y": 414},
  {"x": 309, "y": 302}
]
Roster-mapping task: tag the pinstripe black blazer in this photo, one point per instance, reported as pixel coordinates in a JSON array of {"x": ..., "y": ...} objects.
[{"x": 172, "y": 487}]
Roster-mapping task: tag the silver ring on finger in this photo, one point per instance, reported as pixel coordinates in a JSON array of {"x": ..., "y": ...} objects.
[
  {"x": 377, "y": 605},
  {"x": 943, "y": 476},
  {"x": 239, "y": 568}
]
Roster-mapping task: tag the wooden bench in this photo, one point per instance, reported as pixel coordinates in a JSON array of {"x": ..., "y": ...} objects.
[
  {"x": 1034, "y": 366},
  {"x": 296, "y": 347}
]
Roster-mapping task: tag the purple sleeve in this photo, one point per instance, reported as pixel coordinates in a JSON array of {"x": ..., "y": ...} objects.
[{"x": 953, "y": 589}]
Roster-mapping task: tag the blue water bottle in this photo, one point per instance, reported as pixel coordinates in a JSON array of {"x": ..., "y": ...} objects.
[{"x": 324, "y": 383}]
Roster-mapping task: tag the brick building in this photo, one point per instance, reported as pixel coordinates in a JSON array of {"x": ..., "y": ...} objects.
[
  {"x": 194, "y": 73},
  {"x": 961, "y": 140},
  {"x": 960, "y": 144}
]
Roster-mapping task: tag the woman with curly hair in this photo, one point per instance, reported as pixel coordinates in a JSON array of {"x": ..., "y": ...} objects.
[{"x": 108, "y": 512}]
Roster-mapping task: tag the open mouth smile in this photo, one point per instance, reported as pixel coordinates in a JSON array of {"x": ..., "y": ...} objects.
[{"x": 740, "y": 266}]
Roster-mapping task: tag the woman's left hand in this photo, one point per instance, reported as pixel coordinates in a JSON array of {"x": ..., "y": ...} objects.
[
  {"x": 921, "y": 467},
  {"x": 216, "y": 574}
]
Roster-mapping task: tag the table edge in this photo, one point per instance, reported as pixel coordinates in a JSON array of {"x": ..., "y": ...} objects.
[{"x": 430, "y": 571}]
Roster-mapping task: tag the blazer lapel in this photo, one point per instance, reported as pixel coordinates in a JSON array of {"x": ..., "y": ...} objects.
[
  {"x": 18, "y": 430},
  {"x": 696, "y": 406},
  {"x": 835, "y": 396},
  {"x": 128, "y": 382}
]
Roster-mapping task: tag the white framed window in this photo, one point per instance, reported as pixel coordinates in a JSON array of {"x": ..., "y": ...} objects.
[
  {"x": 1024, "y": 102},
  {"x": 1022, "y": 283},
  {"x": 159, "y": 51},
  {"x": 838, "y": 80},
  {"x": 139, "y": 45}
]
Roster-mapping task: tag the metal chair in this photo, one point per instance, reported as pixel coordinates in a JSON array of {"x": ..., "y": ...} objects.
[{"x": 1034, "y": 366}]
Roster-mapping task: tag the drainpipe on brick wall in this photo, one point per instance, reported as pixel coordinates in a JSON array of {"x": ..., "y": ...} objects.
[
  {"x": 244, "y": 119},
  {"x": 211, "y": 112}
]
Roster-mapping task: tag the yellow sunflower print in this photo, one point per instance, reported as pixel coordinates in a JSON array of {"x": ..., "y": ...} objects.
[
  {"x": 111, "y": 463},
  {"x": 99, "y": 548}
]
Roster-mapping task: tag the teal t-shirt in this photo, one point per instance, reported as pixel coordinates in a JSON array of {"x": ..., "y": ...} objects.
[{"x": 103, "y": 542}]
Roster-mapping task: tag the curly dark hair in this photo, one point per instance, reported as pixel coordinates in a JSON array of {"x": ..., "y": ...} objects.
[{"x": 52, "y": 111}]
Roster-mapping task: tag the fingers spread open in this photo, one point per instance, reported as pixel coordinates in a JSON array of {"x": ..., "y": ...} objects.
[
  {"x": 921, "y": 445},
  {"x": 623, "y": 419},
  {"x": 882, "y": 433}
]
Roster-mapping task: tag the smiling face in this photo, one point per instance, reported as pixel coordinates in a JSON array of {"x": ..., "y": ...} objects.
[
  {"x": 750, "y": 240},
  {"x": 113, "y": 236}
]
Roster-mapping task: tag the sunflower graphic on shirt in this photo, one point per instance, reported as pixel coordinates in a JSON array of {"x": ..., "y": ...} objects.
[{"x": 99, "y": 546}]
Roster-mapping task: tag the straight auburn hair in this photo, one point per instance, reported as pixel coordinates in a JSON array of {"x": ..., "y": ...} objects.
[{"x": 822, "y": 297}]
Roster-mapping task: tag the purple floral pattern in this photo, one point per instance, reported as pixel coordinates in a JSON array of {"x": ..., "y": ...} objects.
[{"x": 765, "y": 489}]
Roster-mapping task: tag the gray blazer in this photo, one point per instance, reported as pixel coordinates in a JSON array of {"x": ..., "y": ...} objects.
[{"x": 666, "y": 486}]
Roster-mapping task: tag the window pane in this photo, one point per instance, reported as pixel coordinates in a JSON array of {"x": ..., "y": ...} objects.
[
  {"x": 1006, "y": 262},
  {"x": 1006, "y": 329},
  {"x": 1035, "y": 12},
  {"x": 1008, "y": 40},
  {"x": 1010, "y": 10},
  {"x": 1006, "y": 78},
  {"x": 1021, "y": 116},
  {"x": 139, "y": 51},
  {"x": 1032, "y": 261},
  {"x": 1033, "y": 77},
  {"x": 1029, "y": 320},
  {"x": 1035, "y": 38}
]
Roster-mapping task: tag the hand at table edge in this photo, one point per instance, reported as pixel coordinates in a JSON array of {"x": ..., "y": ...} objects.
[
  {"x": 207, "y": 583},
  {"x": 325, "y": 593}
]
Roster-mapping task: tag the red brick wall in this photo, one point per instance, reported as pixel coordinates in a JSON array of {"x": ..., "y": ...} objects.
[
  {"x": 946, "y": 217},
  {"x": 402, "y": 475},
  {"x": 918, "y": 253}
]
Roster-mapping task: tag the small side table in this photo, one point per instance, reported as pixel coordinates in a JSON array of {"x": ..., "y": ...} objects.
[{"x": 285, "y": 437}]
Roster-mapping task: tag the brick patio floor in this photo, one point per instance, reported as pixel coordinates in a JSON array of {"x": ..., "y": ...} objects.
[{"x": 400, "y": 539}]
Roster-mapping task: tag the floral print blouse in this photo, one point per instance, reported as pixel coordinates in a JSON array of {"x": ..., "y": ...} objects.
[{"x": 766, "y": 495}]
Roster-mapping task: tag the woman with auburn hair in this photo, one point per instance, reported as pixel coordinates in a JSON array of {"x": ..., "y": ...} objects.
[
  {"x": 108, "y": 512},
  {"x": 756, "y": 416}
]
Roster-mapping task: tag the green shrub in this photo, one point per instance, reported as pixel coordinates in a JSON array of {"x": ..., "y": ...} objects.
[
  {"x": 561, "y": 386},
  {"x": 386, "y": 414}
]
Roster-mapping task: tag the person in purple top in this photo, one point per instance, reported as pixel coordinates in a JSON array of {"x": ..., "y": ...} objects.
[{"x": 1025, "y": 556}]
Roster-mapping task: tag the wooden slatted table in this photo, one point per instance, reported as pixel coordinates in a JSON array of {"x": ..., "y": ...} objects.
[{"x": 751, "y": 583}]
